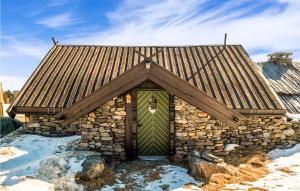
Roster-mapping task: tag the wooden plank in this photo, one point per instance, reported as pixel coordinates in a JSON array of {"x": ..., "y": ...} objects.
[
  {"x": 76, "y": 85},
  {"x": 234, "y": 78},
  {"x": 100, "y": 71},
  {"x": 43, "y": 82},
  {"x": 257, "y": 112},
  {"x": 49, "y": 100},
  {"x": 52, "y": 81},
  {"x": 72, "y": 78},
  {"x": 218, "y": 83},
  {"x": 172, "y": 124},
  {"x": 62, "y": 90},
  {"x": 84, "y": 82},
  {"x": 42, "y": 72},
  {"x": 122, "y": 80},
  {"x": 244, "y": 77},
  {"x": 268, "y": 95},
  {"x": 128, "y": 127},
  {"x": 252, "y": 78},
  {"x": 91, "y": 73},
  {"x": 209, "y": 74},
  {"x": 227, "y": 89}
]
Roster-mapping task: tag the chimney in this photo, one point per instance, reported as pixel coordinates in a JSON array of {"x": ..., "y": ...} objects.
[{"x": 281, "y": 57}]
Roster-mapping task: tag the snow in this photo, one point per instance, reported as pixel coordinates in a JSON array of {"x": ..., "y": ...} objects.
[
  {"x": 23, "y": 160},
  {"x": 230, "y": 147},
  {"x": 294, "y": 117},
  {"x": 278, "y": 180},
  {"x": 27, "y": 184},
  {"x": 32, "y": 162},
  {"x": 172, "y": 177}
]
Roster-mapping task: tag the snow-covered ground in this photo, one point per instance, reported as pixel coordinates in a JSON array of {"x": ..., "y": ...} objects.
[
  {"x": 29, "y": 162},
  {"x": 284, "y": 172},
  {"x": 32, "y": 162}
]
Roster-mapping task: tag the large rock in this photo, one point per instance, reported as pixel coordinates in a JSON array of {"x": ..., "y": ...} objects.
[
  {"x": 92, "y": 167},
  {"x": 289, "y": 132},
  {"x": 202, "y": 169},
  {"x": 211, "y": 158},
  {"x": 33, "y": 125}
]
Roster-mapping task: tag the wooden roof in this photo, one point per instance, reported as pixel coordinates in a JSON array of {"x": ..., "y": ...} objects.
[
  {"x": 160, "y": 76},
  {"x": 284, "y": 79},
  {"x": 69, "y": 73}
]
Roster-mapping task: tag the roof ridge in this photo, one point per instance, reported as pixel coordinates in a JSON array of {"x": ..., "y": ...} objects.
[{"x": 167, "y": 46}]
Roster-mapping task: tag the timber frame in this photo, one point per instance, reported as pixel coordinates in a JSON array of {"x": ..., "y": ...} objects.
[
  {"x": 160, "y": 76},
  {"x": 131, "y": 145}
]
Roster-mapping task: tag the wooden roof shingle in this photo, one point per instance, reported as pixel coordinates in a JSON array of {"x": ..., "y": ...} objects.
[
  {"x": 69, "y": 73},
  {"x": 284, "y": 79}
]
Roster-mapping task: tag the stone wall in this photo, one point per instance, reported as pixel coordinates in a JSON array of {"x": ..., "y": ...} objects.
[
  {"x": 49, "y": 126},
  {"x": 195, "y": 129},
  {"x": 103, "y": 130}
]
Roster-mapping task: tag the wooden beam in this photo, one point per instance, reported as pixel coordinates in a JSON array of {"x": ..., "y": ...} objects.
[
  {"x": 257, "y": 112},
  {"x": 128, "y": 126},
  {"x": 114, "y": 88},
  {"x": 191, "y": 90},
  {"x": 194, "y": 96},
  {"x": 36, "y": 110},
  {"x": 163, "y": 78}
]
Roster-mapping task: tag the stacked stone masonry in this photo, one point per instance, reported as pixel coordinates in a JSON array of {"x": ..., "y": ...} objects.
[
  {"x": 195, "y": 129},
  {"x": 50, "y": 126},
  {"x": 103, "y": 130}
]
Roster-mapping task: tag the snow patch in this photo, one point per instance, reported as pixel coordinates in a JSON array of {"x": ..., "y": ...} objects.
[
  {"x": 28, "y": 152},
  {"x": 174, "y": 176},
  {"x": 31, "y": 184},
  {"x": 294, "y": 117},
  {"x": 230, "y": 147},
  {"x": 285, "y": 153}
]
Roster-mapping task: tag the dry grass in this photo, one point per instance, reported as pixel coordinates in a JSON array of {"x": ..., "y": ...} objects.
[
  {"x": 242, "y": 167},
  {"x": 286, "y": 170},
  {"x": 257, "y": 189},
  {"x": 7, "y": 151},
  {"x": 106, "y": 178}
]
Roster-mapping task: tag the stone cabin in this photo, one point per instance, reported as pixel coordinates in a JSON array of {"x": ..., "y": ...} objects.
[{"x": 128, "y": 101}]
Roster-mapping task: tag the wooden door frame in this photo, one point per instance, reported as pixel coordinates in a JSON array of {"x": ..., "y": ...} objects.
[{"x": 131, "y": 122}]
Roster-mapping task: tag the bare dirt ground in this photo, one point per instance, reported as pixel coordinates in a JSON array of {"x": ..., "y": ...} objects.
[{"x": 153, "y": 175}]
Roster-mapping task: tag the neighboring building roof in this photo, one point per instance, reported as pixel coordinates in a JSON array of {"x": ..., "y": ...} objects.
[
  {"x": 284, "y": 79},
  {"x": 70, "y": 73}
]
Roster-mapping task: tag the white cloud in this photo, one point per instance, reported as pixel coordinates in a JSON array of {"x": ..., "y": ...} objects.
[
  {"x": 12, "y": 82},
  {"x": 12, "y": 47},
  {"x": 174, "y": 22},
  {"x": 59, "y": 20},
  {"x": 18, "y": 58}
]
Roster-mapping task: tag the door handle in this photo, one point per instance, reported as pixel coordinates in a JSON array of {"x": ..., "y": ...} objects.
[{"x": 139, "y": 124}]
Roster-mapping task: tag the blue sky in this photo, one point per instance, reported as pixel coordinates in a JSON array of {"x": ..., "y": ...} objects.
[{"x": 27, "y": 27}]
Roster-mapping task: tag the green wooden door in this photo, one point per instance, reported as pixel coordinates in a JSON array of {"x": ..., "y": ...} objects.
[{"x": 153, "y": 122}]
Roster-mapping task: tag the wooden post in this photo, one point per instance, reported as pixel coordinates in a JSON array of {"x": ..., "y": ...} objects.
[{"x": 128, "y": 126}]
